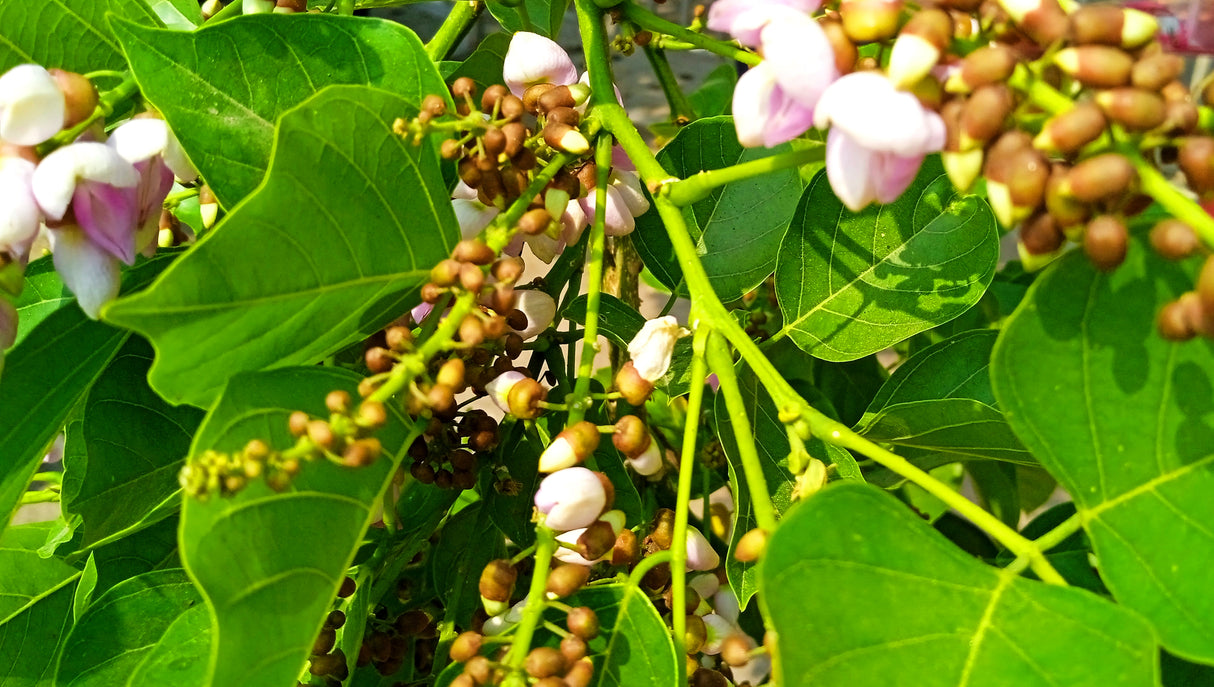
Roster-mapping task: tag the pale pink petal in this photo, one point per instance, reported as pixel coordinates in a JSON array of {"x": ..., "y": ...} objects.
[
  {"x": 472, "y": 216},
  {"x": 753, "y": 104},
  {"x": 55, "y": 179},
  {"x": 788, "y": 119},
  {"x": 544, "y": 246},
  {"x": 700, "y": 554},
  {"x": 91, "y": 273},
  {"x": 463, "y": 191},
  {"x": 800, "y": 57},
  {"x": 892, "y": 174},
  {"x": 19, "y": 213},
  {"x": 849, "y": 167},
  {"x": 107, "y": 215},
  {"x": 570, "y": 498},
  {"x": 628, "y": 185},
  {"x": 539, "y": 308},
  {"x": 573, "y": 223},
  {"x": 533, "y": 59},
  {"x": 876, "y": 115},
  {"x": 142, "y": 139},
  {"x": 31, "y": 105},
  {"x": 746, "y": 23},
  {"x": 617, "y": 220}
]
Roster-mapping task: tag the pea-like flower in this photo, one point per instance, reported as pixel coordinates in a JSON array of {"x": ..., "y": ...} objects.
[
  {"x": 32, "y": 107},
  {"x": 878, "y": 138},
  {"x": 19, "y": 212},
  {"x": 653, "y": 346},
  {"x": 533, "y": 59},
  {"x": 571, "y": 498},
  {"x": 700, "y": 554},
  {"x": 539, "y": 308}
]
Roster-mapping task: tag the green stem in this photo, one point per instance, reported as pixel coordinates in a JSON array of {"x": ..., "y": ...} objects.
[
  {"x": 698, "y": 186},
  {"x": 499, "y": 234},
  {"x": 648, "y": 20},
  {"x": 1180, "y": 206},
  {"x": 721, "y": 362},
  {"x": 1064, "y": 529},
  {"x": 235, "y": 8},
  {"x": 647, "y": 563},
  {"x": 678, "y": 544},
  {"x": 580, "y": 400},
  {"x": 1039, "y": 92},
  {"x": 533, "y": 612},
  {"x": 414, "y": 364},
  {"x": 594, "y": 45},
  {"x": 459, "y": 20},
  {"x": 680, "y": 107}
]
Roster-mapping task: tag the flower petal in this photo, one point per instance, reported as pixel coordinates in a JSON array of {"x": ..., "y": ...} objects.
[
  {"x": 56, "y": 177},
  {"x": 88, "y": 271},
  {"x": 893, "y": 174},
  {"x": 628, "y": 185},
  {"x": 141, "y": 139},
  {"x": 107, "y": 215},
  {"x": 19, "y": 213},
  {"x": 533, "y": 59},
  {"x": 753, "y": 104},
  {"x": 31, "y": 105},
  {"x": 472, "y": 216},
  {"x": 653, "y": 346},
  {"x": 800, "y": 57},
  {"x": 849, "y": 167}
]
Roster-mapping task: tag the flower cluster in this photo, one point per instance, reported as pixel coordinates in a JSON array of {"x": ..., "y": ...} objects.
[{"x": 101, "y": 198}]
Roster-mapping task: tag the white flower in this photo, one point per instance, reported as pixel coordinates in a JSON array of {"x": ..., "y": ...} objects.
[
  {"x": 90, "y": 271},
  {"x": 499, "y": 388},
  {"x": 700, "y": 554},
  {"x": 533, "y": 59},
  {"x": 57, "y": 176},
  {"x": 142, "y": 139},
  {"x": 647, "y": 462},
  {"x": 19, "y": 213},
  {"x": 31, "y": 105},
  {"x": 653, "y": 346},
  {"x": 570, "y": 498},
  {"x": 539, "y": 308}
]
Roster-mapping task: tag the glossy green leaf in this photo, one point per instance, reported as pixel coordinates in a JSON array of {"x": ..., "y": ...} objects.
[
  {"x": 860, "y": 591},
  {"x": 738, "y": 228},
  {"x": 212, "y": 85},
  {"x": 299, "y": 271},
  {"x": 542, "y": 16},
  {"x": 1123, "y": 419},
  {"x": 69, "y": 34},
  {"x": 850, "y": 285},
  {"x": 714, "y": 95},
  {"x": 49, "y": 371},
  {"x": 125, "y": 627},
  {"x": 634, "y": 647},
  {"x": 484, "y": 65},
  {"x": 958, "y": 367},
  {"x": 957, "y": 426},
  {"x": 136, "y": 445},
  {"x": 294, "y": 547},
  {"x": 771, "y": 442},
  {"x": 36, "y": 597},
  {"x": 151, "y": 548},
  {"x": 180, "y": 657}
]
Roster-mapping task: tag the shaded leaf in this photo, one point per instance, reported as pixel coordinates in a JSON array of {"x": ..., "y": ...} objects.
[
  {"x": 738, "y": 227},
  {"x": 715, "y": 93},
  {"x": 541, "y": 16},
  {"x": 484, "y": 65},
  {"x": 904, "y": 606},
  {"x": 151, "y": 548},
  {"x": 634, "y": 648},
  {"x": 298, "y": 272},
  {"x": 1125, "y": 421},
  {"x": 465, "y": 546},
  {"x": 36, "y": 596},
  {"x": 850, "y": 285},
  {"x": 209, "y": 83}
]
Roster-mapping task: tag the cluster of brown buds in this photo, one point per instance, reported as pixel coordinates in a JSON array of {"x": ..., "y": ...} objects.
[
  {"x": 387, "y": 640},
  {"x": 449, "y": 453},
  {"x": 325, "y": 660}
]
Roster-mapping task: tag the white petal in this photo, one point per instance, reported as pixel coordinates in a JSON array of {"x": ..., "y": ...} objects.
[
  {"x": 700, "y": 554},
  {"x": 800, "y": 57},
  {"x": 628, "y": 185},
  {"x": 19, "y": 213},
  {"x": 31, "y": 105},
  {"x": 539, "y": 308},
  {"x": 533, "y": 59},
  {"x": 752, "y": 98},
  {"x": 472, "y": 216},
  {"x": 849, "y": 167},
  {"x": 91, "y": 273},
  {"x": 140, "y": 139},
  {"x": 653, "y": 346},
  {"x": 56, "y": 176}
]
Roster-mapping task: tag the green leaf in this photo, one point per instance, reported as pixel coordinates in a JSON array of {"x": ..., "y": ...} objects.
[
  {"x": 850, "y": 285},
  {"x": 511, "y": 512},
  {"x": 465, "y": 546},
  {"x": 860, "y": 591},
  {"x": 957, "y": 367},
  {"x": 1123, "y": 419},
  {"x": 293, "y": 547},
  {"x": 738, "y": 228},
  {"x": 36, "y": 597},
  {"x": 484, "y": 65},
  {"x": 136, "y": 445},
  {"x": 541, "y": 16},
  {"x": 715, "y": 94},
  {"x": 634, "y": 648},
  {"x": 69, "y": 34},
  {"x": 49, "y": 371},
  {"x": 207, "y": 83},
  {"x": 125, "y": 627},
  {"x": 771, "y": 441},
  {"x": 959, "y": 427},
  {"x": 151, "y": 548},
  {"x": 183, "y": 15},
  {"x": 299, "y": 271},
  {"x": 850, "y": 386}
]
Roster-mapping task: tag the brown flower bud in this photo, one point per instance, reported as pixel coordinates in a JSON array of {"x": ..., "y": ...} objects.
[
  {"x": 596, "y": 541},
  {"x": 466, "y": 645},
  {"x": 845, "y": 51},
  {"x": 691, "y": 600},
  {"x": 80, "y": 97},
  {"x": 434, "y": 104},
  {"x": 634, "y": 388},
  {"x": 335, "y": 620},
  {"x": 1197, "y": 163},
  {"x": 493, "y": 96},
  {"x": 750, "y": 547},
  {"x": 1040, "y": 235},
  {"x": 531, "y": 97},
  {"x": 566, "y": 138},
  {"x": 1097, "y": 66},
  {"x": 544, "y": 661},
  {"x": 608, "y": 490},
  {"x": 338, "y": 401},
  {"x": 553, "y": 98},
  {"x": 331, "y": 665},
  {"x": 984, "y": 114},
  {"x": 361, "y": 452},
  {"x": 695, "y": 635},
  {"x": 479, "y": 669},
  {"x": 1043, "y": 21},
  {"x": 1105, "y": 242},
  {"x": 348, "y": 587},
  {"x": 573, "y": 648},
  {"x": 474, "y": 251},
  {"x": 471, "y": 277},
  {"x": 1174, "y": 322},
  {"x": 508, "y": 269},
  {"x": 469, "y": 172},
  {"x": 580, "y": 674},
  {"x": 534, "y": 222},
  {"x": 1133, "y": 108},
  {"x": 298, "y": 423},
  {"x": 524, "y": 397},
  {"x": 497, "y": 580},
  {"x": 564, "y": 115},
  {"x": 1100, "y": 177},
  {"x": 463, "y": 87},
  {"x": 322, "y": 434},
  {"x": 663, "y": 529},
  {"x": 919, "y": 46},
  {"x": 445, "y": 273},
  {"x": 512, "y": 108},
  {"x": 867, "y": 21},
  {"x": 1071, "y": 130},
  {"x": 422, "y": 472},
  {"x": 1111, "y": 25},
  {"x": 735, "y": 650},
  {"x": 1174, "y": 239},
  {"x": 1156, "y": 71},
  {"x": 565, "y": 580},
  {"x": 451, "y": 374},
  {"x": 440, "y": 399},
  {"x": 583, "y": 622},
  {"x": 1181, "y": 119},
  {"x": 324, "y": 641},
  {"x": 631, "y": 436},
  {"x": 1205, "y": 289},
  {"x": 627, "y": 549},
  {"x": 987, "y": 65}
]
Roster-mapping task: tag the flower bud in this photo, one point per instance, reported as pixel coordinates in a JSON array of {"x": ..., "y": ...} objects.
[
  {"x": 1197, "y": 163},
  {"x": 662, "y": 534},
  {"x": 630, "y": 383},
  {"x": 1016, "y": 184},
  {"x": 844, "y": 50},
  {"x": 499, "y": 388},
  {"x": 1100, "y": 177},
  {"x": 751, "y": 546},
  {"x": 79, "y": 95},
  {"x": 290, "y": 6},
  {"x": 524, "y": 399},
  {"x": 571, "y": 498},
  {"x": 1097, "y": 66},
  {"x": 571, "y": 447},
  {"x": 539, "y": 309},
  {"x": 565, "y": 580},
  {"x": 1112, "y": 25},
  {"x": 466, "y": 646},
  {"x": 580, "y": 674},
  {"x": 555, "y": 98},
  {"x": 566, "y": 138},
  {"x": 1071, "y": 130},
  {"x": 257, "y": 6},
  {"x": 1173, "y": 322},
  {"x": 653, "y": 346},
  {"x": 919, "y": 46},
  {"x": 1105, "y": 242},
  {"x": 32, "y": 108},
  {"x": 1040, "y": 235},
  {"x": 544, "y": 661},
  {"x": 573, "y": 648},
  {"x": 987, "y": 65},
  {"x": 497, "y": 581},
  {"x": 210, "y": 8},
  {"x": 1205, "y": 290},
  {"x": 1133, "y": 108},
  {"x": 984, "y": 114},
  {"x": 695, "y": 634},
  {"x": 1154, "y": 72},
  {"x": 1174, "y": 239},
  {"x": 867, "y": 21},
  {"x": 1041, "y": 20},
  {"x": 700, "y": 554},
  {"x": 1181, "y": 119},
  {"x": 583, "y": 622},
  {"x": 648, "y": 462},
  {"x": 596, "y": 540}
]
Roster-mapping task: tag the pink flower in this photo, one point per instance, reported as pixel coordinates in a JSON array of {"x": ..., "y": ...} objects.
[
  {"x": 878, "y": 138},
  {"x": 98, "y": 183},
  {"x": 775, "y": 100},
  {"x": 533, "y": 59},
  {"x": 89, "y": 271},
  {"x": 625, "y": 202}
]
